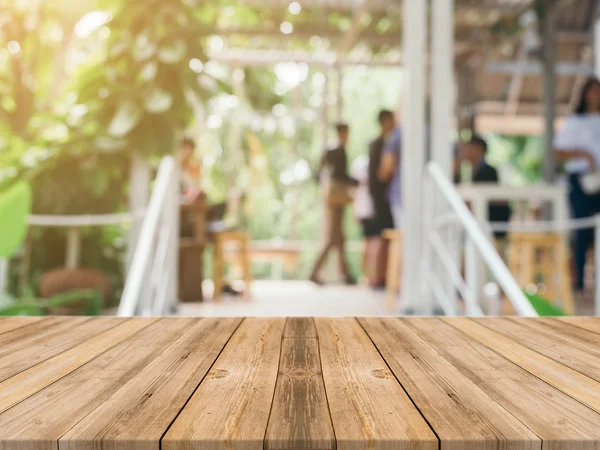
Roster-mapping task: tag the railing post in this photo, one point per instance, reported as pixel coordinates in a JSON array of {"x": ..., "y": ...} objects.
[
  {"x": 139, "y": 194},
  {"x": 477, "y": 281},
  {"x": 73, "y": 252},
  {"x": 472, "y": 273},
  {"x": 172, "y": 219}
]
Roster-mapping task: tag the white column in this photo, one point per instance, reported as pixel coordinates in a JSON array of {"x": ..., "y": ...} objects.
[
  {"x": 139, "y": 195},
  {"x": 173, "y": 256},
  {"x": 442, "y": 82},
  {"x": 442, "y": 108},
  {"x": 413, "y": 159},
  {"x": 597, "y": 40}
]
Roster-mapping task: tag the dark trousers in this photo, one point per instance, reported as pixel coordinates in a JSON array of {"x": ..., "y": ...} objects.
[
  {"x": 582, "y": 206},
  {"x": 335, "y": 241}
]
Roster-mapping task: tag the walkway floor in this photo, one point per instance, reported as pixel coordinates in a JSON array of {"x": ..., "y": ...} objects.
[{"x": 293, "y": 299}]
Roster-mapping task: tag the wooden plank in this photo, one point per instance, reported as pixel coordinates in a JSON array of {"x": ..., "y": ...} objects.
[
  {"x": 38, "y": 422},
  {"x": 20, "y": 356},
  {"x": 11, "y": 323},
  {"x": 554, "y": 343},
  {"x": 140, "y": 412},
  {"x": 300, "y": 415},
  {"x": 300, "y": 327},
  {"x": 36, "y": 378},
  {"x": 587, "y": 323},
  {"x": 562, "y": 422},
  {"x": 22, "y": 335},
  {"x": 369, "y": 408},
  {"x": 230, "y": 409},
  {"x": 565, "y": 379},
  {"x": 462, "y": 415}
]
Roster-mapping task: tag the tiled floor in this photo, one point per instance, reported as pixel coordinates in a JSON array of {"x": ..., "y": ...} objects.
[{"x": 293, "y": 299}]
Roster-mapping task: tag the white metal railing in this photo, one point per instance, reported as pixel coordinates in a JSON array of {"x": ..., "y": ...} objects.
[
  {"x": 441, "y": 259},
  {"x": 151, "y": 285}
]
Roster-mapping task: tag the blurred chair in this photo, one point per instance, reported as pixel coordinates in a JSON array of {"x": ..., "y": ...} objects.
[
  {"x": 394, "y": 267},
  {"x": 542, "y": 258},
  {"x": 63, "y": 280},
  {"x": 221, "y": 240}
]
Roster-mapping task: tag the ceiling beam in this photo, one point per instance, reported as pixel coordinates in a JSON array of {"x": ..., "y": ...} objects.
[
  {"x": 535, "y": 68},
  {"x": 271, "y": 57},
  {"x": 512, "y": 125}
]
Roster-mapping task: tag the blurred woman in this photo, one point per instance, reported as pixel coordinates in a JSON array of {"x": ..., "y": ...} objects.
[
  {"x": 191, "y": 170},
  {"x": 578, "y": 147}
]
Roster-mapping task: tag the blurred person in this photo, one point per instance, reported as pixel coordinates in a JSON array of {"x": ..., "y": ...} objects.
[
  {"x": 383, "y": 219},
  {"x": 364, "y": 213},
  {"x": 389, "y": 167},
  {"x": 577, "y": 145},
  {"x": 334, "y": 165},
  {"x": 191, "y": 170},
  {"x": 474, "y": 151}
]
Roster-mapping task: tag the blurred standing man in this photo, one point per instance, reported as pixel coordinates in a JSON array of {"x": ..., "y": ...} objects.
[
  {"x": 335, "y": 164},
  {"x": 389, "y": 168}
]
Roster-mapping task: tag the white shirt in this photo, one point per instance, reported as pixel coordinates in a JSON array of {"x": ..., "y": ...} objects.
[
  {"x": 580, "y": 132},
  {"x": 363, "y": 203}
]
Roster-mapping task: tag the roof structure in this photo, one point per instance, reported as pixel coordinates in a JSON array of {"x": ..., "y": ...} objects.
[{"x": 499, "y": 77}]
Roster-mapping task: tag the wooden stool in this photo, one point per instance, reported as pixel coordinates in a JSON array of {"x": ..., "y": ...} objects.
[
  {"x": 532, "y": 256},
  {"x": 392, "y": 279},
  {"x": 221, "y": 239}
]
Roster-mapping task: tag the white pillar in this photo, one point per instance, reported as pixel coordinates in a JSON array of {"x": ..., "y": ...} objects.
[
  {"x": 73, "y": 251},
  {"x": 442, "y": 82},
  {"x": 139, "y": 195},
  {"x": 413, "y": 159},
  {"x": 442, "y": 108}
]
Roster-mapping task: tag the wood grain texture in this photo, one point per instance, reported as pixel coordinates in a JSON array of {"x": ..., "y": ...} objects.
[
  {"x": 140, "y": 412},
  {"x": 300, "y": 414},
  {"x": 34, "y": 379},
  {"x": 565, "y": 379},
  {"x": 587, "y": 323},
  {"x": 19, "y": 356},
  {"x": 369, "y": 408},
  {"x": 562, "y": 422},
  {"x": 230, "y": 409},
  {"x": 463, "y": 416},
  {"x": 11, "y": 323},
  {"x": 38, "y": 422},
  {"x": 554, "y": 343},
  {"x": 21, "y": 335},
  {"x": 300, "y": 327}
]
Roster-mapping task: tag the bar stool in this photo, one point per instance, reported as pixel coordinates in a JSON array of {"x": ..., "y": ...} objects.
[
  {"x": 394, "y": 268},
  {"x": 241, "y": 240},
  {"x": 542, "y": 257}
]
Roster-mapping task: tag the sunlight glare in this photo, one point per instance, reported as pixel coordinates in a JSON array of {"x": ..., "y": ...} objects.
[{"x": 91, "y": 22}]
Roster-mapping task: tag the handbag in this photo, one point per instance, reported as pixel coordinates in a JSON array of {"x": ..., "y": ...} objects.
[
  {"x": 338, "y": 194},
  {"x": 590, "y": 183}
]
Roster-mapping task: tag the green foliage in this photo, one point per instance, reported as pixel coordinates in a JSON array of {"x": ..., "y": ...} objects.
[
  {"x": 31, "y": 306},
  {"x": 544, "y": 307},
  {"x": 15, "y": 206}
]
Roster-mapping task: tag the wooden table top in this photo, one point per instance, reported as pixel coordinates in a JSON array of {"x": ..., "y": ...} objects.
[{"x": 299, "y": 384}]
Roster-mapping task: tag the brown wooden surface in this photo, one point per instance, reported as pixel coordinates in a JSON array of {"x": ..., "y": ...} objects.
[{"x": 299, "y": 384}]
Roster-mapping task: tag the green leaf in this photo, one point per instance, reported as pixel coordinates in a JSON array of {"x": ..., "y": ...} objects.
[
  {"x": 544, "y": 307},
  {"x": 15, "y": 207}
]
